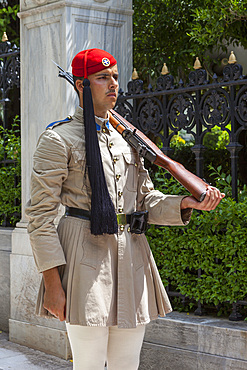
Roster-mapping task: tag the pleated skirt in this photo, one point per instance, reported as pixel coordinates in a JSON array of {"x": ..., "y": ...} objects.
[{"x": 109, "y": 279}]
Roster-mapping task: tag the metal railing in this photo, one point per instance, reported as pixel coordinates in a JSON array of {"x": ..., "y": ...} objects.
[
  {"x": 195, "y": 107},
  {"x": 9, "y": 78}
]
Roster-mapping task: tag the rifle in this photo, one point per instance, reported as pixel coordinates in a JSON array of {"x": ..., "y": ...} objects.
[{"x": 147, "y": 149}]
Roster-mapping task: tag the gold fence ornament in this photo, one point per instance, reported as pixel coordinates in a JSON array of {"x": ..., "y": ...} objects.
[
  {"x": 197, "y": 64},
  {"x": 232, "y": 58},
  {"x": 135, "y": 75},
  {"x": 5, "y": 37},
  {"x": 164, "y": 70}
]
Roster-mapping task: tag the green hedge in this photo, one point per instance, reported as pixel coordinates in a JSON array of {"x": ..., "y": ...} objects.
[
  {"x": 10, "y": 175},
  {"x": 213, "y": 241},
  {"x": 215, "y": 152}
]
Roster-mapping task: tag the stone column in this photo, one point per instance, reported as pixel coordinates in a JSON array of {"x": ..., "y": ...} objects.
[{"x": 55, "y": 30}]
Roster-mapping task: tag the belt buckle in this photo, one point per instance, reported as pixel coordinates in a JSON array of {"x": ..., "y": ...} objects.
[{"x": 121, "y": 219}]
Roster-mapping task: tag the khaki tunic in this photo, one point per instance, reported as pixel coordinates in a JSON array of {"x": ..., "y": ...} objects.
[{"x": 108, "y": 279}]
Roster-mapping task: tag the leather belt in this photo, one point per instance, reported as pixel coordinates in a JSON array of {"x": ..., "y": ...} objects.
[
  {"x": 122, "y": 218},
  {"x": 77, "y": 212}
]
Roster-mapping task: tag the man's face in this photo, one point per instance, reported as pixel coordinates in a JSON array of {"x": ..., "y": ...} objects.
[{"x": 104, "y": 87}]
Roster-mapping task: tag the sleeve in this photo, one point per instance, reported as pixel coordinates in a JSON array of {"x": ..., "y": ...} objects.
[
  {"x": 163, "y": 209},
  {"x": 49, "y": 172}
]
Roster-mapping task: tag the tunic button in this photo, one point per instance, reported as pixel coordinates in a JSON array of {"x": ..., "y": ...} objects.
[
  {"x": 120, "y": 210},
  {"x": 111, "y": 144},
  {"x": 128, "y": 229},
  {"x": 120, "y": 193},
  {"x": 103, "y": 129},
  {"x": 122, "y": 227},
  {"x": 115, "y": 159},
  {"x": 118, "y": 177},
  {"x": 136, "y": 164}
]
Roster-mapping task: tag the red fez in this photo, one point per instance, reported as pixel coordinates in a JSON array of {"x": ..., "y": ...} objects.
[{"x": 91, "y": 61}]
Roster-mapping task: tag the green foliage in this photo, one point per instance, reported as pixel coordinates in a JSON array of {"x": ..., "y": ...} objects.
[
  {"x": 223, "y": 180},
  {"x": 175, "y": 32},
  {"x": 9, "y": 22},
  {"x": 10, "y": 174},
  {"x": 216, "y": 21},
  {"x": 216, "y": 139},
  {"x": 178, "y": 143},
  {"x": 215, "y": 152},
  {"x": 213, "y": 241},
  {"x": 160, "y": 36},
  {"x": 167, "y": 184}
]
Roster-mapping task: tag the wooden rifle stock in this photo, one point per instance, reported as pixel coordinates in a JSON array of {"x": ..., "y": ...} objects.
[{"x": 146, "y": 148}]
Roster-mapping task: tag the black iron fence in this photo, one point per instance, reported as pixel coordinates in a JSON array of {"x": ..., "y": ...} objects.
[
  {"x": 9, "y": 78},
  {"x": 9, "y": 109},
  {"x": 195, "y": 107}
]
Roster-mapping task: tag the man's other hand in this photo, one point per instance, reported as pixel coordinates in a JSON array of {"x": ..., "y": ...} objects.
[{"x": 54, "y": 297}]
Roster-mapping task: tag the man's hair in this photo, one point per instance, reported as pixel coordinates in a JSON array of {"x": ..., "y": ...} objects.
[{"x": 75, "y": 78}]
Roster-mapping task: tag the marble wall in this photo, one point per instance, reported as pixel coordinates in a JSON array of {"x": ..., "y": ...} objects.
[{"x": 55, "y": 30}]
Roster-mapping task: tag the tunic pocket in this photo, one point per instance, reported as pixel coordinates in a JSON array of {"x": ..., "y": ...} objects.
[
  {"x": 131, "y": 170},
  {"x": 91, "y": 249},
  {"x": 137, "y": 249},
  {"x": 77, "y": 167}
]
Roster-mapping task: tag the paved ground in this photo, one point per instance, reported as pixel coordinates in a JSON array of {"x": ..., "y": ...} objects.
[{"x": 16, "y": 357}]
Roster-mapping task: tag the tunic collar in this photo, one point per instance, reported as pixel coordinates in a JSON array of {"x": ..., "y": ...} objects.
[{"x": 102, "y": 124}]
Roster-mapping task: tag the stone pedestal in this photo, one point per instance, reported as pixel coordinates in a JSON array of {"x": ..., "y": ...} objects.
[
  {"x": 45, "y": 334},
  {"x": 188, "y": 342},
  {"x": 5, "y": 250},
  {"x": 55, "y": 30}
]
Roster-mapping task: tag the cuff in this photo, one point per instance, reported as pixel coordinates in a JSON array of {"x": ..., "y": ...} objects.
[{"x": 186, "y": 215}]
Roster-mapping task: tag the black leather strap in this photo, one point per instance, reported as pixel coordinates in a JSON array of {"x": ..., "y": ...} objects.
[
  {"x": 77, "y": 212},
  {"x": 137, "y": 220},
  {"x": 86, "y": 215}
]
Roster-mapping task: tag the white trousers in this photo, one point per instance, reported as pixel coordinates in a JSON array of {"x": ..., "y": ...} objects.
[{"x": 93, "y": 346}]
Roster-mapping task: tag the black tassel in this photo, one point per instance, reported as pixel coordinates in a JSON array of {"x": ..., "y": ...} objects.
[{"x": 103, "y": 216}]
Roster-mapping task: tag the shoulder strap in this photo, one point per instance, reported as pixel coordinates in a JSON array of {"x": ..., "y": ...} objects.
[{"x": 56, "y": 123}]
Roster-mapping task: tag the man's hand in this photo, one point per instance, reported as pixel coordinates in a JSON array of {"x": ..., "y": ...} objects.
[
  {"x": 54, "y": 297},
  {"x": 210, "y": 202}
]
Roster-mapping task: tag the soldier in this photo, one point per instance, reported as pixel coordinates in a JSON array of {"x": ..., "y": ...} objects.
[{"x": 97, "y": 275}]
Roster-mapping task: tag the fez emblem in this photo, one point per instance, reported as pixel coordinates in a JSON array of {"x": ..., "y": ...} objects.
[{"x": 106, "y": 62}]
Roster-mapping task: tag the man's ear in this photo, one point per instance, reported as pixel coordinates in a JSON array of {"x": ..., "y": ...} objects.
[{"x": 79, "y": 85}]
